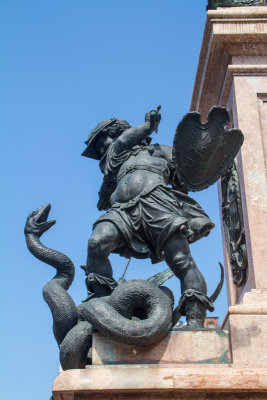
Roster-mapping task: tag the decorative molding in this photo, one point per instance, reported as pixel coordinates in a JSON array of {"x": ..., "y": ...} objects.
[
  {"x": 233, "y": 223},
  {"x": 229, "y": 32},
  {"x": 238, "y": 70}
]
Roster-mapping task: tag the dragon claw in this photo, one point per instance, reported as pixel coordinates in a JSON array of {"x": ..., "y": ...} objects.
[{"x": 37, "y": 221}]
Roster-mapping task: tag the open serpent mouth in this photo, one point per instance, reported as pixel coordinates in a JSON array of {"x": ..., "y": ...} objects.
[
  {"x": 41, "y": 217},
  {"x": 42, "y": 214},
  {"x": 37, "y": 221}
]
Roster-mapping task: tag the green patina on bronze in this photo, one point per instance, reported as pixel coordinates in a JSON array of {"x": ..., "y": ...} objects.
[{"x": 213, "y": 4}]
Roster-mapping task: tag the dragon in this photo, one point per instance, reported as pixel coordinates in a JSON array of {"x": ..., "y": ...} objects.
[{"x": 138, "y": 311}]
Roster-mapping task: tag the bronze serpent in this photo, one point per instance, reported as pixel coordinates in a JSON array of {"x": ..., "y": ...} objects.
[{"x": 137, "y": 312}]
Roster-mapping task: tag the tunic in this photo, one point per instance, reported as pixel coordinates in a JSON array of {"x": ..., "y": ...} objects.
[{"x": 148, "y": 220}]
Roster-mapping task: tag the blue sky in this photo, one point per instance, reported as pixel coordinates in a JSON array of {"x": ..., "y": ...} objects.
[{"x": 67, "y": 65}]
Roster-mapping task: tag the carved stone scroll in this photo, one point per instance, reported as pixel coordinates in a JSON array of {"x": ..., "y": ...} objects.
[{"x": 233, "y": 224}]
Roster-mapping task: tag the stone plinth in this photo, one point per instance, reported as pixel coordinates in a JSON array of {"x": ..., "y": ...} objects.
[
  {"x": 178, "y": 347},
  {"x": 123, "y": 382},
  {"x": 232, "y": 72}
]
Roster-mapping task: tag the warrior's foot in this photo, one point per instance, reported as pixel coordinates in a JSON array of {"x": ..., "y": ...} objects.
[
  {"x": 98, "y": 285},
  {"x": 194, "y": 305}
]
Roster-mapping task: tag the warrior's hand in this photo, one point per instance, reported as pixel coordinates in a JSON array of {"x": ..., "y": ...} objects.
[{"x": 153, "y": 117}]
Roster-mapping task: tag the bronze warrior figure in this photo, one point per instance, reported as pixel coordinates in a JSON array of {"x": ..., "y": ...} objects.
[
  {"x": 149, "y": 215},
  {"x": 145, "y": 216}
]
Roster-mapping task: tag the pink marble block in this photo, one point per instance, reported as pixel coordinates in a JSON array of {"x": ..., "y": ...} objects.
[
  {"x": 208, "y": 346},
  {"x": 154, "y": 382}
]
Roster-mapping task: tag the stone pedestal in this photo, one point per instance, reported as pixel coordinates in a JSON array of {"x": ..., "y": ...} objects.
[
  {"x": 232, "y": 72},
  {"x": 184, "y": 365},
  {"x": 178, "y": 347},
  {"x": 159, "y": 382}
]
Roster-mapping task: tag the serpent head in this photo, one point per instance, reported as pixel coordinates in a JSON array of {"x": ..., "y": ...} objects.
[{"x": 37, "y": 223}]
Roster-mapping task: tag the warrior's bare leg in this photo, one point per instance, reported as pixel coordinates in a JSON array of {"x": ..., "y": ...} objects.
[
  {"x": 179, "y": 259},
  {"x": 105, "y": 238}
]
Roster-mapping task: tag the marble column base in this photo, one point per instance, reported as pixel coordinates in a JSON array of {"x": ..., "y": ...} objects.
[
  {"x": 159, "y": 382},
  {"x": 248, "y": 330}
]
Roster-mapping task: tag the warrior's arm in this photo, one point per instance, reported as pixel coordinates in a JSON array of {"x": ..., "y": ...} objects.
[
  {"x": 166, "y": 152},
  {"x": 135, "y": 135}
]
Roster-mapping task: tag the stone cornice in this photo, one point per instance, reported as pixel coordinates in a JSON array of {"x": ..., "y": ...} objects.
[
  {"x": 167, "y": 381},
  {"x": 228, "y": 32},
  {"x": 238, "y": 70}
]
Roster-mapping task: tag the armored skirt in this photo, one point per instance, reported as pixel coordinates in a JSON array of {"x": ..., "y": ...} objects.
[{"x": 148, "y": 221}]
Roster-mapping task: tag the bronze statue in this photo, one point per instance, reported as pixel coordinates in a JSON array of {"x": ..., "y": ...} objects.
[{"x": 145, "y": 216}]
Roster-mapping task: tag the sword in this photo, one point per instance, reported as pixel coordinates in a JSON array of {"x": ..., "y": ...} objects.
[
  {"x": 158, "y": 108},
  {"x": 121, "y": 279}
]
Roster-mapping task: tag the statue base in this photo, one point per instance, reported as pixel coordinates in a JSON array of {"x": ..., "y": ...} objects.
[
  {"x": 185, "y": 364},
  {"x": 161, "y": 382},
  {"x": 181, "y": 346}
]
